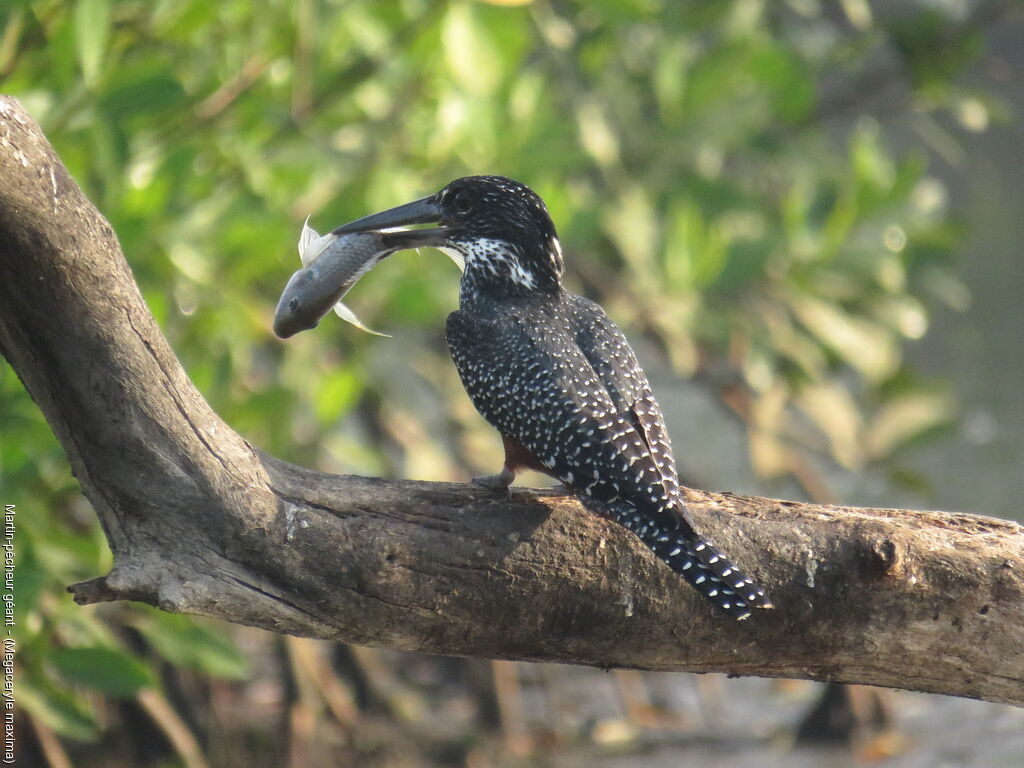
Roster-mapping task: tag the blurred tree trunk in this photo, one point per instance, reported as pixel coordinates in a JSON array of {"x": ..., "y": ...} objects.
[{"x": 199, "y": 521}]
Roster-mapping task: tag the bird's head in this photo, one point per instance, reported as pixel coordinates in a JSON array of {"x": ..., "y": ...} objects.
[{"x": 500, "y": 229}]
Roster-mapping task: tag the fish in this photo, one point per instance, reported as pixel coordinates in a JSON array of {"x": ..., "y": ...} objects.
[{"x": 331, "y": 265}]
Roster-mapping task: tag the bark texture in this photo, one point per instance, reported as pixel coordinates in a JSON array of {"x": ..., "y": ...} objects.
[{"x": 200, "y": 521}]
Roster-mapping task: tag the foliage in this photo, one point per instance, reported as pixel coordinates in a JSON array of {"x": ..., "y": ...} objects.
[{"x": 710, "y": 166}]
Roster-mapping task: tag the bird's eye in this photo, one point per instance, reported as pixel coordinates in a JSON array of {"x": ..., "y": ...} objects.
[
  {"x": 294, "y": 303},
  {"x": 460, "y": 202}
]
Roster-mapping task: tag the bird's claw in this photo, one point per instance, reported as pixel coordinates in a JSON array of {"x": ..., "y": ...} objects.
[{"x": 497, "y": 483}]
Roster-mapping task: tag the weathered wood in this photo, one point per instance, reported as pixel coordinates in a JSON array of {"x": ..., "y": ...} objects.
[{"x": 199, "y": 521}]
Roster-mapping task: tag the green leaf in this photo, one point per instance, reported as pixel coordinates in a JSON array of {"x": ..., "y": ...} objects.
[
  {"x": 871, "y": 164},
  {"x": 92, "y": 30},
  {"x": 107, "y": 670},
  {"x": 745, "y": 263},
  {"x": 695, "y": 251},
  {"x": 140, "y": 93},
  {"x": 183, "y": 641},
  {"x": 30, "y": 579},
  {"x": 336, "y": 394},
  {"x": 57, "y": 709},
  {"x": 787, "y": 81}
]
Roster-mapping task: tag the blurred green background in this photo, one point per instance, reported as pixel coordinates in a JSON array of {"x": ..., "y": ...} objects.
[{"x": 779, "y": 201}]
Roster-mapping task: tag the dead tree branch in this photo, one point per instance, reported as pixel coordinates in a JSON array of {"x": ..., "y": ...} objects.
[{"x": 200, "y": 521}]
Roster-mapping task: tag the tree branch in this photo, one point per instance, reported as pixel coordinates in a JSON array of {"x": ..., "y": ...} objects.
[{"x": 199, "y": 521}]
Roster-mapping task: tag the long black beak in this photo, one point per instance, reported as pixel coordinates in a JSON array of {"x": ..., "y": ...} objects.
[{"x": 423, "y": 211}]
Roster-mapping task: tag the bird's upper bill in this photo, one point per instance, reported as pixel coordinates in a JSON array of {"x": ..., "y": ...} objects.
[
  {"x": 499, "y": 227},
  {"x": 423, "y": 211}
]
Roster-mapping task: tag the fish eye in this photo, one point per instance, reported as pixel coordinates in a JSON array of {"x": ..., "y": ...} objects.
[
  {"x": 293, "y": 304},
  {"x": 460, "y": 202}
]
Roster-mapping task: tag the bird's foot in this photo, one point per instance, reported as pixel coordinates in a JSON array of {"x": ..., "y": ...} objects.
[
  {"x": 561, "y": 489},
  {"x": 498, "y": 483}
]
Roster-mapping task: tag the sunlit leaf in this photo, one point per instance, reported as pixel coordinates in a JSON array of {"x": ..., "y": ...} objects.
[
  {"x": 597, "y": 134},
  {"x": 871, "y": 163},
  {"x": 905, "y": 314},
  {"x": 337, "y": 393},
  {"x": 834, "y": 411},
  {"x": 769, "y": 454},
  {"x": 473, "y": 59},
  {"x": 92, "y": 30},
  {"x": 904, "y": 418},
  {"x": 866, "y": 346},
  {"x": 632, "y": 224}
]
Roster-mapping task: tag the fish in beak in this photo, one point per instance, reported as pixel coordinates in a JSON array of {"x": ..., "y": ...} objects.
[
  {"x": 334, "y": 262},
  {"x": 331, "y": 265}
]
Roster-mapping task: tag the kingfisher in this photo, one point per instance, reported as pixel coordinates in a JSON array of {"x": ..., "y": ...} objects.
[{"x": 556, "y": 377}]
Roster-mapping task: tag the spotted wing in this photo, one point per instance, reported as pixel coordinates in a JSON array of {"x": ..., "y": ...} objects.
[
  {"x": 527, "y": 375},
  {"x": 608, "y": 352},
  {"x": 529, "y": 379}
]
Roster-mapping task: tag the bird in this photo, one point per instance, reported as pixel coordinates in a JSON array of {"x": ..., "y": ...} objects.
[{"x": 556, "y": 377}]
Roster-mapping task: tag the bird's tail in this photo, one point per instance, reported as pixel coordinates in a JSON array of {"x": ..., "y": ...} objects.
[{"x": 697, "y": 560}]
